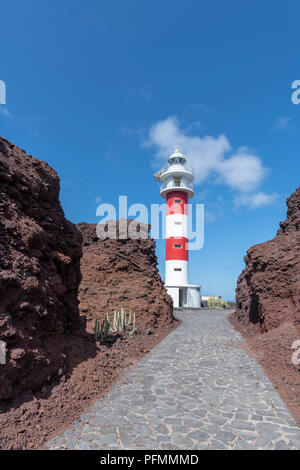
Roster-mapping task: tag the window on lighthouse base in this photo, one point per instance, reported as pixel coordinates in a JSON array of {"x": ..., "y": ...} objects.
[{"x": 177, "y": 246}]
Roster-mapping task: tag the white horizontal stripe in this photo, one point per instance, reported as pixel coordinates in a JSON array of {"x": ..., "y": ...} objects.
[
  {"x": 176, "y": 278},
  {"x": 177, "y": 225}
]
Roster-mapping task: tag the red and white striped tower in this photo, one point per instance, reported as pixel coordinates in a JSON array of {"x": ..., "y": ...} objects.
[
  {"x": 177, "y": 187},
  {"x": 177, "y": 256}
]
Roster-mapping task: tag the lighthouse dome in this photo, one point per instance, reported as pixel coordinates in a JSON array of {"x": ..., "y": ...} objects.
[
  {"x": 177, "y": 158},
  {"x": 177, "y": 176}
]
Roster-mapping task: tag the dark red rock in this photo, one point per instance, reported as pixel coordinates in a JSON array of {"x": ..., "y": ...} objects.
[
  {"x": 268, "y": 305},
  {"x": 268, "y": 289},
  {"x": 39, "y": 272},
  {"x": 122, "y": 273}
]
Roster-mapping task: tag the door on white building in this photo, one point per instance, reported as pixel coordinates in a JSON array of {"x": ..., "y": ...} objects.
[{"x": 180, "y": 297}]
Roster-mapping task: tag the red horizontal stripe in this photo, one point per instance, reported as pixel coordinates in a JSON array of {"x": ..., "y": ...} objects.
[
  {"x": 175, "y": 207},
  {"x": 173, "y": 253}
]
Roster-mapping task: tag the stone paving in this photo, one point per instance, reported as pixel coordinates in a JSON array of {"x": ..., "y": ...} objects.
[{"x": 196, "y": 390}]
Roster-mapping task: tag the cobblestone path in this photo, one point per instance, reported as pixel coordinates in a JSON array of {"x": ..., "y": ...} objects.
[{"x": 196, "y": 390}]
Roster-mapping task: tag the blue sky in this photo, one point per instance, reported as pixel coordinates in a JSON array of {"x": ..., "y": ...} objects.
[{"x": 99, "y": 89}]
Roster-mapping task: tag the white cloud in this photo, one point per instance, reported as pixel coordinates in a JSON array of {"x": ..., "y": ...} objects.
[
  {"x": 5, "y": 111},
  {"x": 282, "y": 123},
  {"x": 242, "y": 171},
  {"x": 213, "y": 160},
  {"x": 204, "y": 154},
  {"x": 255, "y": 200},
  {"x": 209, "y": 216},
  {"x": 193, "y": 126},
  {"x": 207, "y": 155},
  {"x": 196, "y": 106},
  {"x": 145, "y": 91},
  {"x": 213, "y": 210},
  {"x": 141, "y": 93},
  {"x": 98, "y": 199}
]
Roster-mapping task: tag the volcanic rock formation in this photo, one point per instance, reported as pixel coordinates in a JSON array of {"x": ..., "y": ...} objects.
[
  {"x": 268, "y": 289},
  {"x": 122, "y": 273},
  {"x": 39, "y": 273},
  {"x": 268, "y": 305}
]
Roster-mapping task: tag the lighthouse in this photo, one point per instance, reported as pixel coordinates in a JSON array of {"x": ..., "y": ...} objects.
[{"x": 176, "y": 186}]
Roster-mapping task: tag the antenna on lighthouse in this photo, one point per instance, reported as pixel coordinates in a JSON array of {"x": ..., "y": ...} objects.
[{"x": 158, "y": 174}]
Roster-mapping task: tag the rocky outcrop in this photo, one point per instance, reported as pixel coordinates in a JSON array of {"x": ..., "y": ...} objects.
[
  {"x": 122, "y": 272},
  {"x": 268, "y": 305},
  {"x": 268, "y": 289},
  {"x": 39, "y": 273}
]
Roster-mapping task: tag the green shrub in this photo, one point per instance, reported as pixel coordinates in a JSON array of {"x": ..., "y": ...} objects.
[
  {"x": 121, "y": 323},
  {"x": 216, "y": 302},
  {"x": 101, "y": 329}
]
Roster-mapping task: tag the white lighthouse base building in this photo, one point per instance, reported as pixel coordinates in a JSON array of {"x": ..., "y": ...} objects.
[{"x": 188, "y": 296}]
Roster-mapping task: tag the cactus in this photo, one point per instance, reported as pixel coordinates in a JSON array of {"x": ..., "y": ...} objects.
[
  {"x": 121, "y": 322},
  {"x": 116, "y": 322},
  {"x": 101, "y": 329},
  {"x": 133, "y": 323}
]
